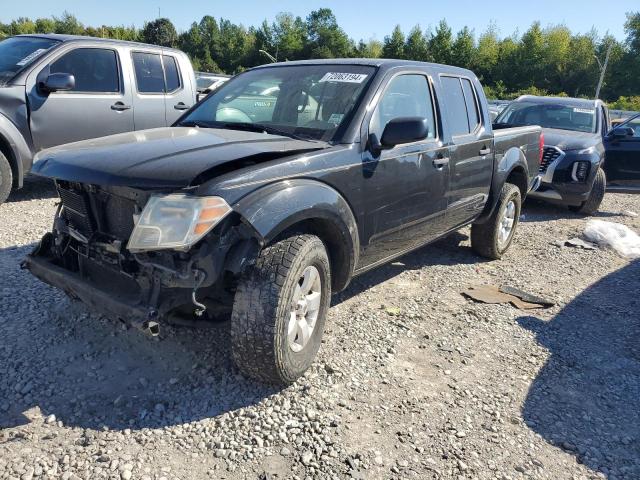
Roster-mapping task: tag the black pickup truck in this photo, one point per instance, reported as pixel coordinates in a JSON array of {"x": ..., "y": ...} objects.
[{"x": 275, "y": 191}]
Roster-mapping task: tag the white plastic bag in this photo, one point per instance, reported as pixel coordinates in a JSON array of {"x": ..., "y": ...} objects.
[{"x": 615, "y": 235}]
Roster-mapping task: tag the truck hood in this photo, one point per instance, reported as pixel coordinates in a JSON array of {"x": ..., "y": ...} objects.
[
  {"x": 173, "y": 157},
  {"x": 569, "y": 140}
]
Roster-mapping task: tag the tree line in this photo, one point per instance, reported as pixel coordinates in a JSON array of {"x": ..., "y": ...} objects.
[{"x": 542, "y": 60}]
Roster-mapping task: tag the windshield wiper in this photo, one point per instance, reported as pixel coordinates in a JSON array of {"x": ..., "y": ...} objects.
[
  {"x": 195, "y": 123},
  {"x": 260, "y": 128}
]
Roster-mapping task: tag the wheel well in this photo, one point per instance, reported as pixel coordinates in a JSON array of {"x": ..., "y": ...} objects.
[
  {"x": 518, "y": 177},
  {"x": 7, "y": 151},
  {"x": 337, "y": 248}
]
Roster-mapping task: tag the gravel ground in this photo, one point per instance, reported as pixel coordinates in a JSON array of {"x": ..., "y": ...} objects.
[{"x": 412, "y": 381}]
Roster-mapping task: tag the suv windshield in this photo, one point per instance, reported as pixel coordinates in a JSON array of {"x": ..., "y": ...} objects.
[
  {"x": 310, "y": 101},
  {"x": 18, "y": 52},
  {"x": 564, "y": 117}
]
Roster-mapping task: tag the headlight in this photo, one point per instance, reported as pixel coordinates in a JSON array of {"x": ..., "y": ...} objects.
[
  {"x": 586, "y": 151},
  {"x": 176, "y": 222}
]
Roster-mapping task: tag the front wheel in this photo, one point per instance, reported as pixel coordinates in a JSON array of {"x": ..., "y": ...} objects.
[
  {"x": 596, "y": 195},
  {"x": 6, "y": 178},
  {"x": 280, "y": 308},
  {"x": 493, "y": 238}
]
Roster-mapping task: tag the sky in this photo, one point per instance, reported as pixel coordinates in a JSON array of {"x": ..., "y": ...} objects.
[{"x": 360, "y": 19}]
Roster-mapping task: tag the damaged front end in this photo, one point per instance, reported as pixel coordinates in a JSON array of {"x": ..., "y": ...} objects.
[{"x": 96, "y": 253}]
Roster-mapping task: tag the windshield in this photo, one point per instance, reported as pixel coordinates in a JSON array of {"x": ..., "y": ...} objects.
[
  {"x": 18, "y": 52},
  {"x": 309, "y": 101},
  {"x": 547, "y": 115}
]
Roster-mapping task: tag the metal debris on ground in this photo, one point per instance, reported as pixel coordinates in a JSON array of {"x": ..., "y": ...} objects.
[{"x": 506, "y": 294}]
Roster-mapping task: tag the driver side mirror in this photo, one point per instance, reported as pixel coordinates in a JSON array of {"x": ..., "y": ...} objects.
[
  {"x": 57, "y": 82},
  {"x": 622, "y": 132},
  {"x": 399, "y": 131}
]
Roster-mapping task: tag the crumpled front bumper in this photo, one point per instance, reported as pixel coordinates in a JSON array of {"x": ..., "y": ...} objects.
[{"x": 126, "y": 307}]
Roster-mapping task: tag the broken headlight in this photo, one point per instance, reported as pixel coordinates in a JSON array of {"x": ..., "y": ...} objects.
[{"x": 176, "y": 222}]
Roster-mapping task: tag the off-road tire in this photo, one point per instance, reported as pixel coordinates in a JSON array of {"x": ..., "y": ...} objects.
[
  {"x": 6, "y": 179},
  {"x": 262, "y": 308},
  {"x": 592, "y": 204},
  {"x": 484, "y": 236}
]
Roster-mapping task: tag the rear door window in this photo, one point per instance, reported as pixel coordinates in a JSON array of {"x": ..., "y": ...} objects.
[
  {"x": 172, "y": 74},
  {"x": 473, "y": 113},
  {"x": 405, "y": 96},
  {"x": 94, "y": 69},
  {"x": 455, "y": 106},
  {"x": 149, "y": 73}
]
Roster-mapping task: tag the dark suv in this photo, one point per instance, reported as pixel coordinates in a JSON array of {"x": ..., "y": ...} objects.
[{"x": 574, "y": 130}]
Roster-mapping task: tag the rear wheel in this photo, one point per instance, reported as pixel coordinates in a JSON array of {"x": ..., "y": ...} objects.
[
  {"x": 493, "y": 238},
  {"x": 280, "y": 308},
  {"x": 6, "y": 178},
  {"x": 596, "y": 195}
]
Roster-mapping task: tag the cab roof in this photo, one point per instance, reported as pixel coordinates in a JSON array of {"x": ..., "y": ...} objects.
[
  {"x": 83, "y": 38},
  {"x": 381, "y": 63}
]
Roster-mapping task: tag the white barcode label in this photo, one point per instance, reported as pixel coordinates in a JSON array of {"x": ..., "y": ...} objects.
[{"x": 344, "y": 77}]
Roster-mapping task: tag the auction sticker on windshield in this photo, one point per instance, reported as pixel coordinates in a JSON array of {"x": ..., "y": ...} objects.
[
  {"x": 30, "y": 57},
  {"x": 344, "y": 77},
  {"x": 584, "y": 110}
]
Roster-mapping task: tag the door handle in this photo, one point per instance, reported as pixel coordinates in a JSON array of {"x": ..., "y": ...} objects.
[
  {"x": 485, "y": 151},
  {"x": 440, "y": 163},
  {"x": 120, "y": 107},
  {"x": 181, "y": 106}
]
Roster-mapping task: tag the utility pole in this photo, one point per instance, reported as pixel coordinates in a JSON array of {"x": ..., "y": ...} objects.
[{"x": 603, "y": 69}]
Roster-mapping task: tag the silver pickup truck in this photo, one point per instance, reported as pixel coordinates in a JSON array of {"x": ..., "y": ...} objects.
[{"x": 57, "y": 89}]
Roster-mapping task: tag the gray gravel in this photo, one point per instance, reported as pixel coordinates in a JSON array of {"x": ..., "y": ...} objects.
[{"x": 413, "y": 380}]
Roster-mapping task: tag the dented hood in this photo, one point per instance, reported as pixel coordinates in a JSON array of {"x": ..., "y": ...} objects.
[{"x": 173, "y": 157}]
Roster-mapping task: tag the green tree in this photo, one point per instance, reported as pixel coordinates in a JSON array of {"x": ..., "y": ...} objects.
[
  {"x": 463, "y": 49},
  {"x": 441, "y": 44},
  {"x": 393, "y": 46},
  {"x": 68, "y": 24},
  {"x": 369, "y": 49},
  {"x": 417, "y": 46},
  {"x": 325, "y": 37},
  {"x": 487, "y": 55},
  {"x": 160, "y": 32}
]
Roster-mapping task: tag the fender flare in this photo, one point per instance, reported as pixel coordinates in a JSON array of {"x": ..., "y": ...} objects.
[
  {"x": 512, "y": 160},
  {"x": 19, "y": 153},
  {"x": 277, "y": 207}
]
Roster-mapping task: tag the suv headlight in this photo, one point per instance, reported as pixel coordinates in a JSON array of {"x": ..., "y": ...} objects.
[{"x": 176, "y": 222}]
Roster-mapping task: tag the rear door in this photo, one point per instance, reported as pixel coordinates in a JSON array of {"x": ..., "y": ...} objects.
[
  {"x": 97, "y": 106},
  {"x": 405, "y": 186},
  {"x": 162, "y": 93},
  {"x": 622, "y": 158},
  {"x": 179, "y": 96},
  {"x": 471, "y": 152}
]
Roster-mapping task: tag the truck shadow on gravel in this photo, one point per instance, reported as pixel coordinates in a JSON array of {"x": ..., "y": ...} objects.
[
  {"x": 89, "y": 372},
  {"x": 585, "y": 399},
  {"x": 34, "y": 189}
]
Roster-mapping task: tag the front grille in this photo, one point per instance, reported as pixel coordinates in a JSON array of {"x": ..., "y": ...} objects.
[
  {"x": 118, "y": 216},
  {"x": 76, "y": 210},
  {"x": 549, "y": 155},
  {"x": 97, "y": 212}
]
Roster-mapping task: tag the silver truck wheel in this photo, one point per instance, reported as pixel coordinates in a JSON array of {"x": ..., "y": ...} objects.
[
  {"x": 493, "y": 238},
  {"x": 6, "y": 179},
  {"x": 280, "y": 309}
]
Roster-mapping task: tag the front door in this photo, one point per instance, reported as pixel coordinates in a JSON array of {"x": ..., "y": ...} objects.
[
  {"x": 404, "y": 187},
  {"x": 622, "y": 158},
  {"x": 97, "y": 106}
]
